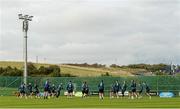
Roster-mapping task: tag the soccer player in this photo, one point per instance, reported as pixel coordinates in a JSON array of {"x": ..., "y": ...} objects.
[
  {"x": 101, "y": 90},
  {"x": 53, "y": 90},
  {"x": 70, "y": 89},
  {"x": 22, "y": 90},
  {"x": 124, "y": 87},
  {"x": 112, "y": 91},
  {"x": 46, "y": 89},
  {"x": 117, "y": 88},
  {"x": 140, "y": 90},
  {"x": 36, "y": 90},
  {"x": 85, "y": 89},
  {"x": 147, "y": 90},
  {"x": 29, "y": 90},
  {"x": 58, "y": 90},
  {"x": 49, "y": 91},
  {"x": 133, "y": 89}
]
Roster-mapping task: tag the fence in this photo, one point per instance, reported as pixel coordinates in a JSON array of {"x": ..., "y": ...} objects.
[{"x": 8, "y": 85}]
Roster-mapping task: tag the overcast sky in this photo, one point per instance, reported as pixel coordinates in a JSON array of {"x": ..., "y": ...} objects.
[{"x": 102, "y": 31}]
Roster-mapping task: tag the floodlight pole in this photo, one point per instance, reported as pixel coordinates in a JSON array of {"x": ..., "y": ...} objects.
[
  {"x": 26, "y": 19},
  {"x": 25, "y": 57}
]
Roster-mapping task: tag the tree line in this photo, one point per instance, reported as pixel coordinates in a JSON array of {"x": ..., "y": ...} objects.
[
  {"x": 52, "y": 70},
  {"x": 158, "y": 69},
  {"x": 95, "y": 65},
  {"x": 55, "y": 71}
]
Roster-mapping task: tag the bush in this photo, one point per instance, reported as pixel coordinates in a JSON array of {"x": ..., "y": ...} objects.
[
  {"x": 9, "y": 71},
  {"x": 31, "y": 69},
  {"x": 43, "y": 70},
  {"x": 55, "y": 70},
  {"x": 67, "y": 75},
  {"x": 106, "y": 74}
]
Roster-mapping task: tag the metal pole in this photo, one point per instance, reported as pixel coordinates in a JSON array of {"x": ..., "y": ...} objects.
[
  {"x": 36, "y": 59},
  {"x": 26, "y": 19},
  {"x": 25, "y": 57}
]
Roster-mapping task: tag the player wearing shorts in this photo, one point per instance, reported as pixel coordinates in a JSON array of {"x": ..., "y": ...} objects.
[
  {"x": 29, "y": 90},
  {"x": 46, "y": 89},
  {"x": 117, "y": 88},
  {"x": 112, "y": 91},
  {"x": 101, "y": 90},
  {"x": 124, "y": 87},
  {"x": 58, "y": 90},
  {"x": 36, "y": 91},
  {"x": 147, "y": 90},
  {"x": 70, "y": 89},
  {"x": 140, "y": 90},
  {"x": 85, "y": 89},
  {"x": 133, "y": 89},
  {"x": 22, "y": 90},
  {"x": 53, "y": 90}
]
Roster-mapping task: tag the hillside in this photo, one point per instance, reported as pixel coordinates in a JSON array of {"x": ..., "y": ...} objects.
[{"x": 82, "y": 71}]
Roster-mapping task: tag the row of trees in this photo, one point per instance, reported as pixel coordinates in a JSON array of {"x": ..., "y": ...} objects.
[
  {"x": 157, "y": 68},
  {"x": 55, "y": 71},
  {"x": 95, "y": 65},
  {"x": 148, "y": 67},
  {"x": 52, "y": 70}
]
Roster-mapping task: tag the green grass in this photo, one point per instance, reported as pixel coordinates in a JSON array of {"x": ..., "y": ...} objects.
[{"x": 91, "y": 102}]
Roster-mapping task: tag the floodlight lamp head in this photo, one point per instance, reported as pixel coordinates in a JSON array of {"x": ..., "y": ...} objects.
[
  {"x": 29, "y": 19},
  {"x": 30, "y": 16},
  {"x": 20, "y": 15},
  {"x": 26, "y": 16}
]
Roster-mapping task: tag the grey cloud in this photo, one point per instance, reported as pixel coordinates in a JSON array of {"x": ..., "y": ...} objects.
[{"x": 105, "y": 31}]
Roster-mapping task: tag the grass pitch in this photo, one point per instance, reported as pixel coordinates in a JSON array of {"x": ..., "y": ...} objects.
[{"x": 91, "y": 102}]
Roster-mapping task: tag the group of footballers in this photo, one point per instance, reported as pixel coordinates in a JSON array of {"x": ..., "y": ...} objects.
[
  {"x": 116, "y": 90},
  {"x": 134, "y": 92},
  {"x": 49, "y": 91}
]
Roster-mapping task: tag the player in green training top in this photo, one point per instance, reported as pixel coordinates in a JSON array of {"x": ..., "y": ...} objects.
[
  {"x": 70, "y": 88},
  {"x": 85, "y": 89},
  {"x": 58, "y": 90},
  {"x": 147, "y": 90},
  {"x": 141, "y": 88},
  {"x": 133, "y": 89},
  {"x": 124, "y": 87},
  {"x": 101, "y": 90},
  {"x": 117, "y": 88}
]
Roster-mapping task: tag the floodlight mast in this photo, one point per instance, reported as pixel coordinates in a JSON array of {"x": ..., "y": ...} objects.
[{"x": 26, "y": 19}]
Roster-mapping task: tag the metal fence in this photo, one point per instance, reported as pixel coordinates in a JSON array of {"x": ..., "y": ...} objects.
[{"x": 9, "y": 85}]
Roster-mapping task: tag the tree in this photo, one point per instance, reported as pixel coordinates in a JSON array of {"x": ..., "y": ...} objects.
[
  {"x": 31, "y": 69},
  {"x": 43, "y": 70},
  {"x": 55, "y": 70},
  {"x": 1, "y": 70}
]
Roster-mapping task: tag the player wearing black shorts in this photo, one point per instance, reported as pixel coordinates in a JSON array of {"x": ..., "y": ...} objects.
[
  {"x": 58, "y": 90},
  {"x": 36, "y": 91},
  {"x": 112, "y": 91},
  {"x": 85, "y": 89},
  {"x": 147, "y": 90},
  {"x": 133, "y": 89},
  {"x": 124, "y": 87},
  {"x": 70, "y": 88},
  {"x": 117, "y": 88},
  {"x": 29, "y": 90},
  {"x": 140, "y": 90},
  {"x": 101, "y": 90},
  {"x": 53, "y": 90},
  {"x": 22, "y": 90},
  {"x": 46, "y": 89}
]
